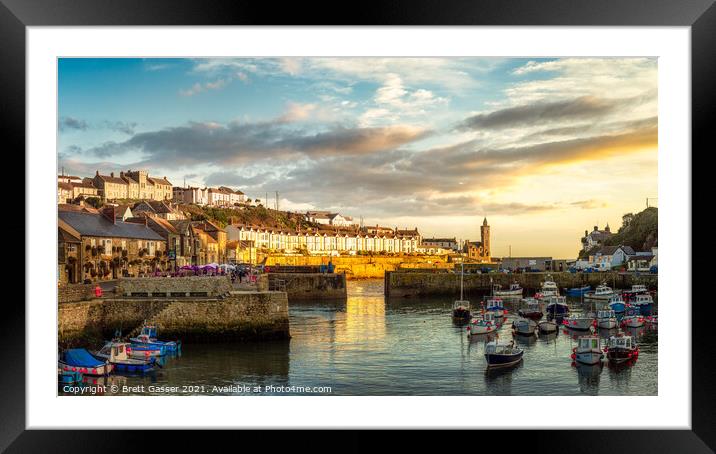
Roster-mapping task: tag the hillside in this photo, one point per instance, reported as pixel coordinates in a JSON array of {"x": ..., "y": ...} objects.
[
  {"x": 258, "y": 215},
  {"x": 640, "y": 231}
]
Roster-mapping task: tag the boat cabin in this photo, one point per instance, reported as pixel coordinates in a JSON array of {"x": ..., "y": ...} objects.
[
  {"x": 616, "y": 299},
  {"x": 643, "y": 299},
  {"x": 115, "y": 351},
  {"x": 603, "y": 290},
  {"x": 150, "y": 331},
  {"x": 625, "y": 342},
  {"x": 606, "y": 314},
  {"x": 461, "y": 304},
  {"x": 639, "y": 288},
  {"x": 588, "y": 343},
  {"x": 494, "y": 303},
  {"x": 499, "y": 348}
]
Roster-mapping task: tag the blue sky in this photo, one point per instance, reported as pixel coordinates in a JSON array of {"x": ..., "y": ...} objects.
[{"x": 432, "y": 142}]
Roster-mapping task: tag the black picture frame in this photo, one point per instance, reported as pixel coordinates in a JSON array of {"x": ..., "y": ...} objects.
[{"x": 16, "y": 15}]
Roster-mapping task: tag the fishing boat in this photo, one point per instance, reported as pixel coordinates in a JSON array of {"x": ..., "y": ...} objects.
[
  {"x": 606, "y": 319},
  {"x": 547, "y": 326},
  {"x": 548, "y": 289},
  {"x": 515, "y": 291},
  {"x": 151, "y": 332},
  {"x": 142, "y": 346},
  {"x": 80, "y": 360},
  {"x": 587, "y": 350},
  {"x": 617, "y": 304},
  {"x": 577, "y": 291},
  {"x": 602, "y": 293},
  {"x": 524, "y": 326},
  {"x": 632, "y": 321},
  {"x": 557, "y": 306},
  {"x": 495, "y": 306},
  {"x": 621, "y": 348},
  {"x": 501, "y": 354},
  {"x": 579, "y": 322},
  {"x": 483, "y": 325},
  {"x": 461, "y": 307},
  {"x": 117, "y": 355},
  {"x": 68, "y": 377},
  {"x": 644, "y": 303},
  {"x": 636, "y": 289},
  {"x": 532, "y": 311}
]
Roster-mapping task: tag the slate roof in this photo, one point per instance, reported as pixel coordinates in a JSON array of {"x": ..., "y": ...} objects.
[{"x": 88, "y": 224}]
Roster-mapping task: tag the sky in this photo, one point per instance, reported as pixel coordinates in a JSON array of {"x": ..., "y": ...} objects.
[{"x": 544, "y": 148}]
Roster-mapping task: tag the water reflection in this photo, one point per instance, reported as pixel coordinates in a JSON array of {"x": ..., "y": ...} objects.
[{"x": 588, "y": 376}]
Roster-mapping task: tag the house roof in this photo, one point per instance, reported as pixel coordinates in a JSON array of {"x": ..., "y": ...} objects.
[
  {"x": 433, "y": 240},
  {"x": 607, "y": 250},
  {"x": 73, "y": 207},
  {"x": 111, "y": 179},
  {"x": 65, "y": 236},
  {"x": 89, "y": 224},
  {"x": 65, "y": 186},
  {"x": 163, "y": 181}
]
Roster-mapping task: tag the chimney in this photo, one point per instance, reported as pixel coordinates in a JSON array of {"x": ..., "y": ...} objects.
[
  {"x": 586, "y": 233},
  {"x": 109, "y": 214},
  {"x": 111, "y": 174},
  {"x": 97, "y": 173}
]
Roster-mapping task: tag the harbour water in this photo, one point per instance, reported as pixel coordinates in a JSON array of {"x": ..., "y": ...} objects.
[{"x": 368, "y": 345}]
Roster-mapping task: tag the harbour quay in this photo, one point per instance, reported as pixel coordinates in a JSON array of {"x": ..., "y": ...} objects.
[
  {"x": 196, "y": 309},
  {"x": 439, "y": 282}
]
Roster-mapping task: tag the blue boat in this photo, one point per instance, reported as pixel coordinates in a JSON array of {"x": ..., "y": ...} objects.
[
  {"x": 644, "y": 303},
  {"x": 117, "y": 355},
  {"x": 500, "y": 354},
  {"x": 578, "y": 291},
  {"x": 68, "y": 377},
  {"x": 617, "y": 304},
  {"x": 557, "y": 306},
  {"x": 80, "y": 360},
  {"x": 148, "y": 337},
  {"x": 495, "y": 307}
]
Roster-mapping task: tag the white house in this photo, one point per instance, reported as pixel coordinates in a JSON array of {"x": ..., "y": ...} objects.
[
  {"x": 197, "y": 196},
  {"x": 610, "y": 256},
  {"x": 596, "y": 237},
  {"x": 445, "y": 243}
]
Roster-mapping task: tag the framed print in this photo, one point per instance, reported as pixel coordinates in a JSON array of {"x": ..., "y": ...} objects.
[{"x": 398, "y": 219}]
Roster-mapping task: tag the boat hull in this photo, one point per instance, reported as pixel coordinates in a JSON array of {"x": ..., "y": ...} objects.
[
  {"x": 577, "y": 291},
  {"x": 558, "y": 309},
  {"x": 477, "y": 329},
  {"x": 532, "y": 315},
  {"x": 138, "y": 367},
  {"x": 495, "y": 360},
  {"x": 621, "y": 355},
  {"x": 633, "y": 321},
  {"x": 140, "y": 349},
  {"x": 547, "y": 327},
  {"x": 580, "y": 324},
  {"x": 589, "y": 357},
  {"x": 104, "y": 369},
  {"x": 603, "y": 297},
  {"x": 508, "y": 293},
  {"x": 607, "y": 323},
  {"x": 618, "y": 308}
]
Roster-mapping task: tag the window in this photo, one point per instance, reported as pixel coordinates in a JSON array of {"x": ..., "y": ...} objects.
[
  {"x": 150, "y": 247},
  {"x": 107, "y": 246},
  {"x": 124, "y": 245}
]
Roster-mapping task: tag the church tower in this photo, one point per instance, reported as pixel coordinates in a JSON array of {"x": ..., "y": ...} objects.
[{"x": 485, "y": 238}]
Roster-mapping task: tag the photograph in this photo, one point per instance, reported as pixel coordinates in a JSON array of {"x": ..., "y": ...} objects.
[{"x": 357, "y": 226}]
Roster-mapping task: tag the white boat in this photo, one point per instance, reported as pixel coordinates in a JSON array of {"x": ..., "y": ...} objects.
[
  {"x": 644, "y": 303},
  {"x": 632, "y": 321},
  {"x": 548, "y": 289},
  {"x": 484, "y": 325},
  {"x": 587, "y": 350},
  {"x": 547, "y": 326},
  {"x": 606, "y": 319},
  {"x": 579, "y": 322},
  {"x": 514, "y": 291},
  {"x": 524, "y": 326},
  {"x": 602, "y": 293}
]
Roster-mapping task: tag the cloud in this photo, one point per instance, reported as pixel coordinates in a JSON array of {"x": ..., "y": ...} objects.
[
  {"x": 394, "y": 101},
  {"x": 70, "y": 123},
  {"x": 298, "y": 112},
  {"x": 233, "y": 143},
  {"x": 207, "y": 86},
  {"x": 541, "y": 112},
  {"x": 124, "y": 127}
]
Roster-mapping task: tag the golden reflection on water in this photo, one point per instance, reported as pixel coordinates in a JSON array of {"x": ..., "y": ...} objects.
[{"x": 363, "y": 320}]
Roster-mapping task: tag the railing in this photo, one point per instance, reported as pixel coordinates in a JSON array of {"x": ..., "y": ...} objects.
[{"x": 277, "y": 285}]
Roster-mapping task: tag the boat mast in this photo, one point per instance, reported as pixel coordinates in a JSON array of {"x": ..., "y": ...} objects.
[{"x": 462, "y": 273}]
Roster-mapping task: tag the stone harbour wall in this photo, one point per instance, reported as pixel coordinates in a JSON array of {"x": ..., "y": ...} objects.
[
  {"x": 211, "y": 286},
  {"x": 361, "y": 267},
  {"x": 67, "y": 293},
  {"x": 238, "y": 316},
  {"x": 309, "y": 286},
  {"x": 407, "y": 284}
]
